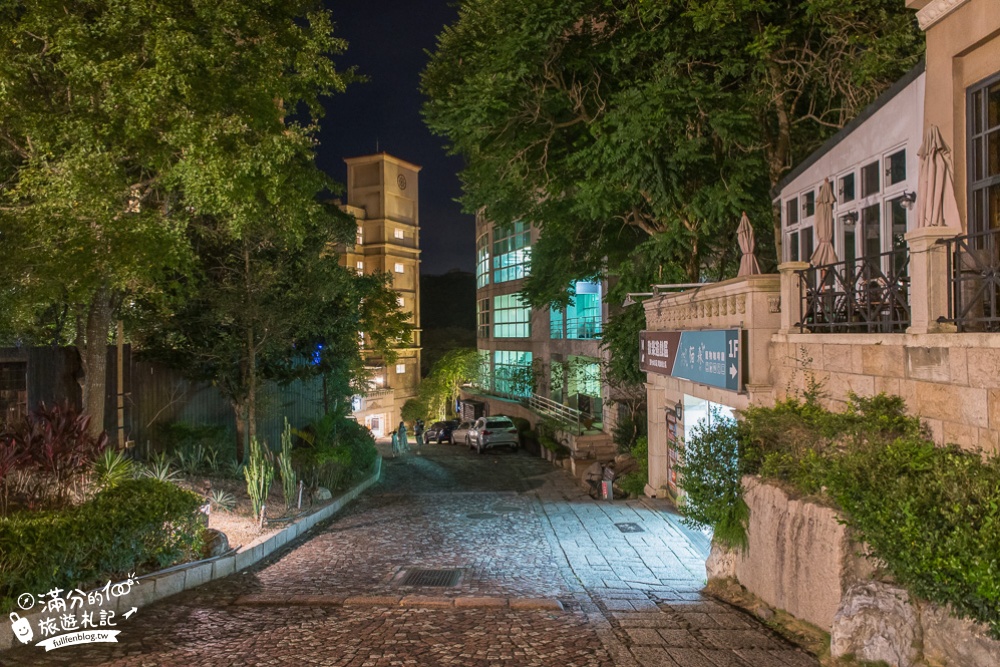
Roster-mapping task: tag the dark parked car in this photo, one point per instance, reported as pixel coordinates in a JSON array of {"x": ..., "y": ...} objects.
[{"x": 440, "y": 432}]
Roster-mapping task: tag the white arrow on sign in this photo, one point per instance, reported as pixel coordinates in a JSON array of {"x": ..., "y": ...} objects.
[
  {"x": 732, "y": 371},
  {"x": 130, "y": 612}
]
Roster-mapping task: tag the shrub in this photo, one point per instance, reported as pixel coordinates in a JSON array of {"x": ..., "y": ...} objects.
[
  {"x": 56, "y": 443},
  {"x": 710, "y": 470},
  {"x": 139, "y": 525},
  {"x": 635, "y": 482},
  {"x": 629, "y": 429},
  {"x": 340, "y": 452},
  {"x": 930, "y": 514},
  {"x": 112, "y": 468}
]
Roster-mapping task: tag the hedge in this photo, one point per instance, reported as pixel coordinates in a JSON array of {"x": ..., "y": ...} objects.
[{"x": 139, "y": 525}]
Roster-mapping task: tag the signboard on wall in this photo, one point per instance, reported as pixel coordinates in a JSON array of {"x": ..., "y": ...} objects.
[{"x": 713, "y": 356}]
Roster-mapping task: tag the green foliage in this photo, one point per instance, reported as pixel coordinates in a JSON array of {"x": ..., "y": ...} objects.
[
  {"x": 341, "y": 452},
  {"x": 413, "y": 409},
  {"x": 629, "y": 429},
  {"x": 126, "y": 121},
  {"x": 259, "y": 473},
  {"x": 112, "y": 468},
  {"x": 161, "y": 469},
  {"x": 635, "y": 482},
  {"x": 288, "y": 479},
  {"x": 930, "y": 514},
  {"x": 710, "y": 472},
  {"x": 634, "y": 135},
  {"x": 222, "y": 500},
  {"x": 55, "y": 441},
  {"x": 437, "y": 392},
  {"x": 139, "y": 525}
]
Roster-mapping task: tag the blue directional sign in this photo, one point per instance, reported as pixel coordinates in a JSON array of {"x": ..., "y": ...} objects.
[{"x": 711, "y": 357}]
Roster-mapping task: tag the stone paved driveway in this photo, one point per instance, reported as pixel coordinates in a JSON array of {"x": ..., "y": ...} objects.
[{"x": 524, "y": 539}]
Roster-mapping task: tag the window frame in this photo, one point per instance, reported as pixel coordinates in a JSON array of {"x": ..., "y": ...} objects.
[
  {"x": 978, "y": 210},
  {"x": 399, "y": 267}
]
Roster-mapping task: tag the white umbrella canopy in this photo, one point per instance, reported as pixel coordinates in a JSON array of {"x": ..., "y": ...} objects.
[
  {"x": 824, "y": 253},
  {"x": 936, "y": 204},
  {"x": 745, "y": 238}
]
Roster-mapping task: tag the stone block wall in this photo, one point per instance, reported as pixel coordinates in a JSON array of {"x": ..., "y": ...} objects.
[
  {"x": 800, "y": 558},
  {"x": 952, "y": 381}
]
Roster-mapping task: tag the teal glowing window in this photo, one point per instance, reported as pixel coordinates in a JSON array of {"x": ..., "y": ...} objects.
[
  {"x": 511, "y": 317},
  {"x": 511, "y": 252},
  {"x": 483, "y": 261},
  {"x": 512, "y": 373}
]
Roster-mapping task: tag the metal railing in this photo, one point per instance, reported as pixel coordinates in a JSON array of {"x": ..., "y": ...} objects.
[
  {"x": 865, "y": 295},
  {"x": 974, "y": 281},
  {"x": 546, "y": 407},
  {"x": 579, "y": 328}
]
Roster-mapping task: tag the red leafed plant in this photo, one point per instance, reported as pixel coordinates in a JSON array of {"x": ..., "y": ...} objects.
[
  {"x": 12, "y": 457},
  {"x": 55, "y": 441}
]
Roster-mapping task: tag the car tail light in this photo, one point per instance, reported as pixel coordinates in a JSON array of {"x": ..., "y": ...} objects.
[
  {"x": 485, "y": 433},
  {"x": 512, "y": 430}
]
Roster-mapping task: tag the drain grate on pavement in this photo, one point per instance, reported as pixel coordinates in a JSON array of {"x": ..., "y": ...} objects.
[
  {"x": 483, "y": 515},
  {"x": 437, "y": 578},
  {"x": 630, "y": 528}
]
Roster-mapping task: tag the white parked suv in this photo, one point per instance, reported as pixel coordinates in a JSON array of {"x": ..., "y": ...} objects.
[{"x": 493, "y": 432}]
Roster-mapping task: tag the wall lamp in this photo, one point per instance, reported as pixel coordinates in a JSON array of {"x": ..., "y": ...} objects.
[
  {"x": 629, "y": 301},
  {"x": 909, "y": 198}
]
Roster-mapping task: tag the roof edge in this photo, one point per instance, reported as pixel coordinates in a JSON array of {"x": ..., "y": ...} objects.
[{"x": 866, "y": 113}]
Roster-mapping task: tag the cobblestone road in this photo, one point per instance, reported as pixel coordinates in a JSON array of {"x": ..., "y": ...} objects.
[{"x": 524, "y": 538}]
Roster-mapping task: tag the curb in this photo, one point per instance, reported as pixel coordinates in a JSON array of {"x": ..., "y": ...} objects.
[
  {"x": 409, "y": 601},
  {"x": 159, "y": 585}
]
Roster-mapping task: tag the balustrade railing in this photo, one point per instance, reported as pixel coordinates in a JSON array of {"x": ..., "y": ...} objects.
[
  {"x": 557, "y": 411},
  {"x": 974, "y": 281},
  {"x": 864, "y": 295},
  {"x": 579, "y": 328}
]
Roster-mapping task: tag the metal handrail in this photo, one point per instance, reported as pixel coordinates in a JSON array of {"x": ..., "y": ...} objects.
[
  {"x": 865, "y": 295},
  {"x": 584, "y": 328},
  {"x": 588, "y": 327},
  {"x": 974, "y": 281},
  {"x": 562, "y": 413}
]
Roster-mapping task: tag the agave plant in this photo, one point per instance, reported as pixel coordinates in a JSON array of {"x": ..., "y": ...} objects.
[
  {"x": 162, "y": 470},
  {"x": 211, "y": 460},
  {"x": 112, "y": 468},
  {"x": 222, "y": 500},
  {"x": 234, "y": 469},
  {"x": 189, "y": 461}
]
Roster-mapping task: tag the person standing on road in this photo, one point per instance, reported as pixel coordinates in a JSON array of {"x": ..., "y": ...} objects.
[
  {"x": 395, "y": 444},
  {"x": 418, "y": 430},
  {"x": 404, "y": 442}
]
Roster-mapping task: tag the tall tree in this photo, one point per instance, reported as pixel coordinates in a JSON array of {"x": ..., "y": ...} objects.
[
  {"x": 123, "y": 120},
  {"x": 266, "y": 307},
  {"x": 617, "y": 126}
]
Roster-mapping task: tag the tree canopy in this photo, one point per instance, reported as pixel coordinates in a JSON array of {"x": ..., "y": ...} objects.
[
  {"x": 649, "y": 127},
  {"x": 264, "y": 307},
  {"x": 121, "y": 121}
]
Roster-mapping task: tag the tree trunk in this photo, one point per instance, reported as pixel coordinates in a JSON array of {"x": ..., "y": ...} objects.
[
  {"x": 93, "y": 350},
  {"x": 251, "y": 385},
  {"x": 241, "y": 431}
]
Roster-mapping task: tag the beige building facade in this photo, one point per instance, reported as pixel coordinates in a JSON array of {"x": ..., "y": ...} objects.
[{"x": 383, "y": 196}]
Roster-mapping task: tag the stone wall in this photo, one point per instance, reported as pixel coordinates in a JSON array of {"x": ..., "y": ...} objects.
[
  {"x": 952, "y": 381},
  {"x": 800, "y": 558}
]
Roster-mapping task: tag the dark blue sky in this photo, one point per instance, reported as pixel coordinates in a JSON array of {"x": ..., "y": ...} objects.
[{"x": 386, "y": 41}]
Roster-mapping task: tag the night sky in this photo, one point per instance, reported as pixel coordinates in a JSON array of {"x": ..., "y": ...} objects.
[{"x": 386, "y": 41}]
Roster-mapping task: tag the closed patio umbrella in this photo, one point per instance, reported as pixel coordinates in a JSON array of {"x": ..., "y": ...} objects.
[
  {"x": 936, "y": 205},
  {"x": 824, "y": 253},
  {"x": 744, "y": 236}
]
